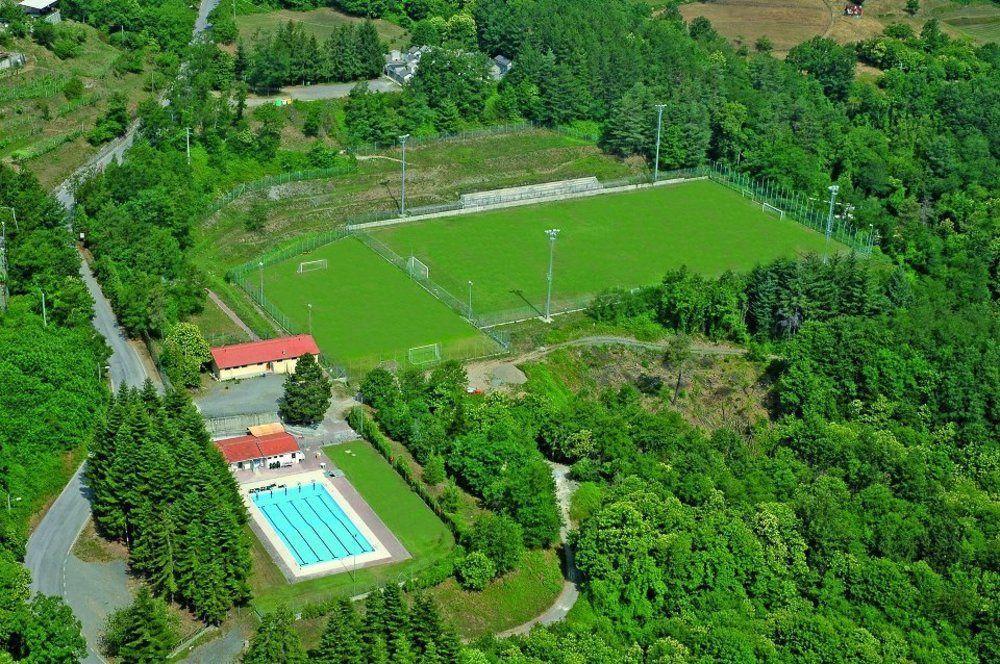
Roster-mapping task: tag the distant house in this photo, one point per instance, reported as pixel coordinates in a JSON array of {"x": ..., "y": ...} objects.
[
  {"x": 46, "y": 10},
  {"x": 402, "y": 67},
  {"x": 277, "y": 449},
  {"x": 261, "y": 357},
  {"x": 500, "y": 67}
]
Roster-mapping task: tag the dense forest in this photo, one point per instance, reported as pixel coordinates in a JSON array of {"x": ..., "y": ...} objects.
[
  {"x": 51, "y": 394},
  {"x": 161, "y": 487}
]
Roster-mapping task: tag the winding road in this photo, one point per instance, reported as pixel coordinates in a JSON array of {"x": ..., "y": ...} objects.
[{"x": 50, "y": 545}]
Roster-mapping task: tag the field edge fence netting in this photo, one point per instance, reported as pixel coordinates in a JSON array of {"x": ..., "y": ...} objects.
[{"x": 800, "y": 208}]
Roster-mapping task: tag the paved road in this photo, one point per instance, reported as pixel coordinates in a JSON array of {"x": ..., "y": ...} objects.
[
  {"x": 50, "y": 544},
  {"x": 323, "y": 91}
]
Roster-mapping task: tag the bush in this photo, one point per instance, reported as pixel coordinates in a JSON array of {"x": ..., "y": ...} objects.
[
  {"x": 73, "y": 88},
  {"x": 434, "y": 470},
  {"x": 475, "y": 571},
  {"x": 499, "y": 538}
]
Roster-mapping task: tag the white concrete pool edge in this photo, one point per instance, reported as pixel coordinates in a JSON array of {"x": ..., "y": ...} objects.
[{"x": 287, "y": 562}]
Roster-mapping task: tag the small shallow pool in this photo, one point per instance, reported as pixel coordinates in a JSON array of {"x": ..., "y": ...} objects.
[{"x": 311, "y": 523}]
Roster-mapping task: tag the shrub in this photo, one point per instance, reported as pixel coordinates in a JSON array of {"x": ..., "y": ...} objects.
[
  {"x": 73, "y": 88},
  {"x": 499, "y": 538},
  {"x": 475, "y": 571}
]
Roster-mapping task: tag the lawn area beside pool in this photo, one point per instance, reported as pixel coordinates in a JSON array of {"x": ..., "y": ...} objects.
[{"x": 419, "y": 530}]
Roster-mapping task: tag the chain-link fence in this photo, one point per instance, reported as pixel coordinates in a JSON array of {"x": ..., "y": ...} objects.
[
  {"x": 274, "y": 180},
  {"x": 796, "y": 206},
  {"x": 811, "y": 212}
]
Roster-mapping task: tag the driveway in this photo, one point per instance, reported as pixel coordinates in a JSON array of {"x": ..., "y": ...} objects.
[{"x": 323, "y": 91}]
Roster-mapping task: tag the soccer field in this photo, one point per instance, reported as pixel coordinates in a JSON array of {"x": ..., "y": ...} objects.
[
  {"x": 627, "y": 239},
  {"x": 364, "y": 310}
]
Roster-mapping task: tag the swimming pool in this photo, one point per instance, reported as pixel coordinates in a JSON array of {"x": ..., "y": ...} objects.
[{"x": 311, "y": 523}]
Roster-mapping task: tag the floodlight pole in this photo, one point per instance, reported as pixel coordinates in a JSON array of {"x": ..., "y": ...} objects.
[
  {"x": 470, "y": 298},
  {"x": 402, "y": 198},
  {"x": 829, "y": 218},
  {"x": 260, "y": 267},
  {"x": 310, "y": 307},
  {"x": 552, "y": 233},
  {"x": 659, "y": 127}
]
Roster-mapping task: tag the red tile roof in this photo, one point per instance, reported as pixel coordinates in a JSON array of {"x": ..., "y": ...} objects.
[
  {"x": 260, "y": 352},
  {"x": 245, "y": 448}
]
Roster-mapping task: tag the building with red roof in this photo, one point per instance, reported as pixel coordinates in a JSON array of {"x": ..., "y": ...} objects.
[
  {"x": 261, "y": 357},
  {"x": 272, "y": 450}
]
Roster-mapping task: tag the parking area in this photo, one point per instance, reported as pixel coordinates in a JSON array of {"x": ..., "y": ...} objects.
[{"x": 229, "y": 407}]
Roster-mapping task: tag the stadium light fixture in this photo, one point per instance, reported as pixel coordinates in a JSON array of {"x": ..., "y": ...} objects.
[
  {"x": 829, "y": 218},
  {"x": 659, "y": 127},
  {"x": 552, "y": 234},
  {"x": 402, "y": 197}
]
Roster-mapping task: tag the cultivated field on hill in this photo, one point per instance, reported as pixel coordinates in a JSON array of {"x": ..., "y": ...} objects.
[
  {"x": 364, "y": 310},
  {"x": 790, "y": 22},
  {"x": 41, "y": 126},
  {"x": 319, "y": 22},
  {"x": 627, "y": 239}
]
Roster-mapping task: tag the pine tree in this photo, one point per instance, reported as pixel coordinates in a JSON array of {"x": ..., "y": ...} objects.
[
  {"x": 307, "y": 393},
  {"x": 275, "y": 641},
  {"x": 148, "y": 632},
  {"x": 397, "y": 620},
  {"x": 425, "y": 623},
  {"x": 340, "y": 643}
]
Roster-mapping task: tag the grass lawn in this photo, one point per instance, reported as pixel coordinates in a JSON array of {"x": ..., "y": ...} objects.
[
  {"x": 510, "y": 601},
  {"x": 217, "y": 327},
  {"x": 436, "y": 172},
  {"x": 366, "y": 310},
  {"x": 627, "y": 239},
  {"x": 420, "y": 531},
  {"x": 319, "y": 22}
]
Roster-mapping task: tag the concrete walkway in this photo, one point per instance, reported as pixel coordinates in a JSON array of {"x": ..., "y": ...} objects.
[{"x": 232, "y": 315}]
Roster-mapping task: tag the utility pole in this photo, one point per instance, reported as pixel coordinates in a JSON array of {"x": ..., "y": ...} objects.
[
  {"x": 470, "y": 298},
  {"x": 659, "y": 127},
  {"x": 4, "y": 290},
  {"x": 552, "y": 233},
  {"x": 402, "y": 199},
  {"x": 829, "y": 218}
]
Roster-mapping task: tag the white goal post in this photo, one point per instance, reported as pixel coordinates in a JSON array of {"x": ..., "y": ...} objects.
[
  {"x": 417, "y": 268},
  {"x": 767, "y": 207},
  {"x": 311, "y": 266},
  {"x": 424, "y": 354}
]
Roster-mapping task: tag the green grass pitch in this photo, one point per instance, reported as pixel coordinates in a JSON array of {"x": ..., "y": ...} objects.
[
  {"x": 627, "y": 239},
  {"x": 365, "y": 310}
]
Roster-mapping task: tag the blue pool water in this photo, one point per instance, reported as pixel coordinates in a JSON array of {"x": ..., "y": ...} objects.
[{"x": 311, "y": 524}]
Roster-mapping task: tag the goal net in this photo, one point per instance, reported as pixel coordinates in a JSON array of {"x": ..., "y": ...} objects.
[
  {"x": 425, "y": 354},
  {"x": 312, "y": 266},
  {"x": 770, "y": 209},
  {"x": 417, "y": 268}
]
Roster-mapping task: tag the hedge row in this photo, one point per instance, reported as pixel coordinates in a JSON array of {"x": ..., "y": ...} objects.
[{"x": 368, "y": 429}]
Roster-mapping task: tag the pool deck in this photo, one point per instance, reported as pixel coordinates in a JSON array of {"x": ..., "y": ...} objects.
[{"x": 388, "y": 549}]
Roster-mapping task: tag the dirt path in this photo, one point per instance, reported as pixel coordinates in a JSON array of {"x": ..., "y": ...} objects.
[
  {"x": 481, "y": 373},
  {"x": 565, "y": 488}
]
